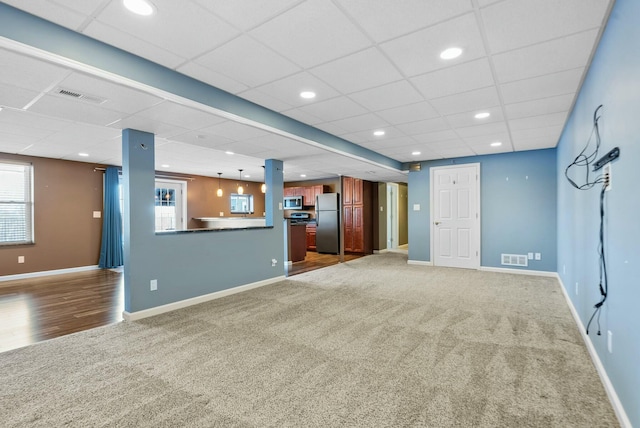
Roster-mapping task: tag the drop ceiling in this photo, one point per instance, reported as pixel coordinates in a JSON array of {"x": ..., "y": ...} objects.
[{"x": 374, "y": 65}]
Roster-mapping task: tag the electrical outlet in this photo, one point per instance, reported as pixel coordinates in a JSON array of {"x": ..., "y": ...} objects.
[
  {"x": 20, "y": 259},
  {"x": 153, "y": 285},
  {"x": 610, "y": 341},
  {"x": 606, "y": 174},
  {"x": 530, "y": 256},
  {"x": 97, "y": 214},
  {"x": 221, "y": 214},
  {"x": 538, "y": 256},
  {"x": 577, "y": 287},
  {"x": 273, "y": 262}
]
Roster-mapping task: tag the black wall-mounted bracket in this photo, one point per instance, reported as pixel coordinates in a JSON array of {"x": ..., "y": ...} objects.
[{"x": 612, "y": 155}]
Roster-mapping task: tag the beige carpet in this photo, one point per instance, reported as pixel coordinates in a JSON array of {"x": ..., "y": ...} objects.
[{"x": 373, "y": 343}]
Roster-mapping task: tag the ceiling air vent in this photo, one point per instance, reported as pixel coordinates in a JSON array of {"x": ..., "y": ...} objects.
[{"x": 91, "y": 99}]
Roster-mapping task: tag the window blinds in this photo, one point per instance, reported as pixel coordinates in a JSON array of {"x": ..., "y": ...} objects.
[{"x": 16, "y": 203}]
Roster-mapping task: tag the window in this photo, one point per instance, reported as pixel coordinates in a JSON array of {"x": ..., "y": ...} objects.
[
  {"x": 241, "y": 204},
  {"x": 16, "y": 203}
]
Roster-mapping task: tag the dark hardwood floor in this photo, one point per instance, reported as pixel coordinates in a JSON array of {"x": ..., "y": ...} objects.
[
  {"x": 314, "y": 261},
  {"x": 37, "y": 309}
]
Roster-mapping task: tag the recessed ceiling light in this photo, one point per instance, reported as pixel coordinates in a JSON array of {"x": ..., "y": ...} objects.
[
  {"x": 139, "y": 7},
  {"x": 164, "y": 165},
  {"x": 303, "y": 175},
  {"x": 416, "y": 153},
  {"x": 229, "y": 152},
  {"x": 482, "y": 115},
  {"x": 378, "y": 133},
  {"x": 451, "y": 53},
  {"x": 496, "y": 144},
  {"x": 84, "y": 155},
  {"x": 307, "y": 95}
]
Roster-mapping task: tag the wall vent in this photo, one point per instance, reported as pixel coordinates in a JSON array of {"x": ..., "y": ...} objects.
[
  {"x": 91, "y": 99},
  {"x": 515, "y": 260}
]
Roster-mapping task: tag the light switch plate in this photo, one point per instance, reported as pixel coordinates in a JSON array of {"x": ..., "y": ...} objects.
[
  {"x": 97, "y": 214},
  {"x": 416, "y": 207}
]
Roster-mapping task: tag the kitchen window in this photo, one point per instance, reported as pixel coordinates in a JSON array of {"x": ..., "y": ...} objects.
[
  {"x": 241, "y": 204},
  {"x": 16, "y": 203}
]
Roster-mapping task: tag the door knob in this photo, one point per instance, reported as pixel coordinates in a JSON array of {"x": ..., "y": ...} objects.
[{"x": 436, "y": 223}]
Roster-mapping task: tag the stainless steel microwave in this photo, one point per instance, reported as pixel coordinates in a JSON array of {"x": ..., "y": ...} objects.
[{"x": 292, "y": 202}]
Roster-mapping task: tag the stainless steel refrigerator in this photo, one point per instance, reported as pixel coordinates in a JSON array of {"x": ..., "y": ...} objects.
[{"x": 328, "y": 223}]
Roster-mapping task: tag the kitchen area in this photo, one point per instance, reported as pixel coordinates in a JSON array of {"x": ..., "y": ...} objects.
[{"x": 315, "y": 224}]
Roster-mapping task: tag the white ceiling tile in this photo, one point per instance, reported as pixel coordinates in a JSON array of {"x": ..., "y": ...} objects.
[
  {"x": 516, "y": 23},
  {"x": 363, "y": 122},
  {"x": 542, "y": 121},
  {"x": 28, "y": 73},
  {"x": 15, "y": 97},
  {"x": 485, "y": 3},
  {"x": 179, "y": 115},
  {"x": 75, "y": 110},
  {"x": 521, "y": 135},
  {"x": 362, "y": 70},
  {"x": 200, "y": 139},
  {"x": 547, "y": 142},
  {"x": 288, "y": 89},
  {"x": 419, "y": 52},
  {"x": 302, "y": 116},
  {"x": 488, "y": 150},
  {"x": 312, "y": 33},
  {"x": 486, "y": 140},
  {"x": 143, "y": 48},
  {"x": 383, "y": 19},
  {"x": 423, "y": 126},
  {"x": 455, "y": 152},
  {"x": 246, "y": 14},
  {"x": 248, "y": 61},
  {"x": 468, "y": 118},
  {"x": 471, "y": 101},
  {"x": 446, "y": 144},
  {"x": 555, "y": 104},
  {"x": 387, "y": 96},
  {"x": 30, "y": 120},
  {"x": 559, "y": 55},
  {"x": 479, "y": 130},
  {"x": 448, "y": 136},
  {"x": 337, "y": 108},
  {"x": 408, "y": 113},
  {"x": 456, "y": 79},
  {"x": 160, "y": 129},
  {"x": 172, "y": 26},
  {"x": 564, "y": 82},
  {"x": 51, "y": 11},
  {"x": 212, "y": 77},
  {"x": 392, "y": 138},
  {"x": 331, "y": 128}
]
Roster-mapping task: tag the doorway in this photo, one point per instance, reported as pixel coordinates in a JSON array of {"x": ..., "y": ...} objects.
[
  {"x": 455, "y": 213},
  {"x": 392, "y": 216},
  {"x": 170, "y": 205}
]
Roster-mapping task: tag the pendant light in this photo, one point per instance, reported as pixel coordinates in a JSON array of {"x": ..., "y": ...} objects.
[
  {"x": 263, "y": 188},
  {"x": 219, "y": 192},
  {"x": 240, "y": 188}
]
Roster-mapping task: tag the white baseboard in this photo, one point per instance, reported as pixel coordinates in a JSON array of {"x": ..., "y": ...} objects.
[
  {"x": 47, "y": 273},
  {"x": 380, "y": 251},
  {"x": 520, "y": 271},
  {"x": 419, "y": 262},
  {"x": 145, "y": 313},
  {"x": 608, "y": 386}
]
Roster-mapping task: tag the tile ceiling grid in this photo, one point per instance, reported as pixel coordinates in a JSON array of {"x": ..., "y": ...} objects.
[{"x": 499, "y": 35}]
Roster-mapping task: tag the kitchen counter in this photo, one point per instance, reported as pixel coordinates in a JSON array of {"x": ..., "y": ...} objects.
[{"x": 231, "y": 222}]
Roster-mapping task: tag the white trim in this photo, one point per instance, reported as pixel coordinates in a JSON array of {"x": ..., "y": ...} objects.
[
  {"x": 519, "y": 271},
  {"x": 606, "y": 382},
  {"x": 47, "y": 273},
  {"x": 419, "y": 262},
  {"x": 145, "y": 313},
  {"x": 384, "y": 250}
]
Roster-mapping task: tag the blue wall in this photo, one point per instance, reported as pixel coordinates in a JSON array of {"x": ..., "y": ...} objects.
[
  {"x": 518, "y": 207},
  {"x": 190, "y": 264},
  {"x": 614, "y": 81}
]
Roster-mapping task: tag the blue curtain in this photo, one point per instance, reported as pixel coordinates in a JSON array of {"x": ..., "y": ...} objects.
[{"x": 111, "y": 254}]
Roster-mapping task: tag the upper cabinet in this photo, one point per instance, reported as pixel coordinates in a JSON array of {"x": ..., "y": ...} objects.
[{"x": 308, "y": 193}]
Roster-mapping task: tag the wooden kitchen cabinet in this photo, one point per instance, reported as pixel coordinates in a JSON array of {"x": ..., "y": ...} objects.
[
  {"x": 356, "y": 207},
  {"x": 311, "y": 237}
]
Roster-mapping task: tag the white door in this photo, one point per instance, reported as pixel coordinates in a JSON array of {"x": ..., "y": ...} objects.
[
  {"x": 169, "y": 202},
  {"x": 455, "y": 193}
]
